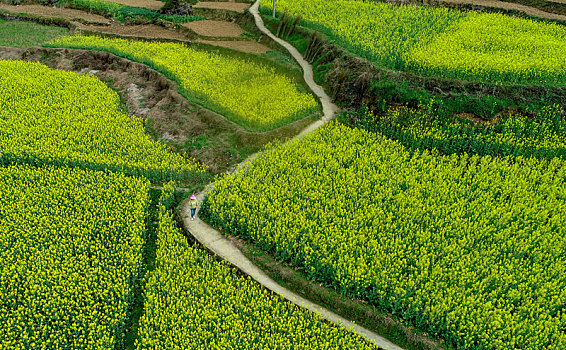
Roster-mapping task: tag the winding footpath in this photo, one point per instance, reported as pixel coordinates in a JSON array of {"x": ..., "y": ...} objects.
[{"x": 220, "y": 245}]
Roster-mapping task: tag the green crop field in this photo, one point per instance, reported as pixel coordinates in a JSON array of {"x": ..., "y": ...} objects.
[
  {"x": 71, "y": 247},
  {"x": 440, "y": 42},
  {"x": 27, "y": 34},
  {"x": 54, "y": 117},
  {"x": 431, "y": 212},
  {"x": 123, "y": 13},
  {"x": 467, "y": 247},
  {"x": 195, "y": 302}
]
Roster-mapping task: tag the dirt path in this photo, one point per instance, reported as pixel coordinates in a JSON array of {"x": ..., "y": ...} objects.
[
  {"x": 232, "y": 6},
  {"x": 224, "y": 248},
  {"x": 150, "y": 31},
  {"x": 148, "y": 4},
  {"x": 48, "y": 11},
  {"x": 215, "y": 28},
  {"x": 531, "y": 11},
  {"x": 329, "y": 109},
  {"x": 238, "y": 45}
]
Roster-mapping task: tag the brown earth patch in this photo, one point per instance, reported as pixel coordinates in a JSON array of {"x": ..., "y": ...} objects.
[
  {"x": 531, "y": 11},
  {"x": 48, "y": 11},
  {"x": 148, "y": 4},
  {"x": 215, "y": 28},
  {"x": 218, "y": 5},
  {"x": 238, "y": 45},
  {"x": 150, "y": 31}
]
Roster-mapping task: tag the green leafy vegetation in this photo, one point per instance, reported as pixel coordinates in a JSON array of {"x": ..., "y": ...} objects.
[
  {"x": 422, "y": 128},
  {"x": 27, "y": 34}
]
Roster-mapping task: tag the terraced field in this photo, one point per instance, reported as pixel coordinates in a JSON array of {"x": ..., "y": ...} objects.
[
  {"x": 82, "y": 237},
  {"x": 195, "y": 302},
  {"x": 50, "y": 117},
  {"x": 253, "y": 95},
  {"x": 73, "y": 242},
  {"x": 418, "y": 226},
  {"x": 485, "y": 47}
]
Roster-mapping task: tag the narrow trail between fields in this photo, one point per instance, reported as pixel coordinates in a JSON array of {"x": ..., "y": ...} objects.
[{"x": 223, "y": 247}]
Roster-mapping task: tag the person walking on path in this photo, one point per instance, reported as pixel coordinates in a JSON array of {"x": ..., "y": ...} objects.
[{"x": 193, "y": 205}]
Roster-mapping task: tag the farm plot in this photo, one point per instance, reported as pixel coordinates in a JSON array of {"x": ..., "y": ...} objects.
[
  {"x": 196, "y": 302},
  {"x": 27, "y": 34},
  {"x": 71, "y": 248},
  {"x": 470, "y": 248},
  {"x": 60, "y": 118},
  {"x": 441, "y": 42},
  {"x": 250, "y": 94}
]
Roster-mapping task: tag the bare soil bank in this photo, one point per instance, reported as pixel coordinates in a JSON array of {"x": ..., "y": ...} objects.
[
  {"x": 238, "y": 45},
  {"x": 149, "y": 31},
  {"x": 215, "y": 28},
  {"x": 148, "y": 4}
]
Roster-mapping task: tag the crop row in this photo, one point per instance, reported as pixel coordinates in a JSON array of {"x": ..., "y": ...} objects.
[
  {"x": 487, "y": 47},
  {"x": 72, "y": 245},
  {"x": 251, "y": 94},
  {"x": 195, "y": 302},
  {"x": 470, "y": 248},
  {"x": 516, "y": 135},
  {"x": 52, "y": 117}
]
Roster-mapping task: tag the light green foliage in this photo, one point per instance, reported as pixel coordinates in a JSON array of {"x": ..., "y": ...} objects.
[
  {"x": 471, "y": 248},
  {"x": 71, "y": 248},
  {"x": 249, "y": 93}
]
